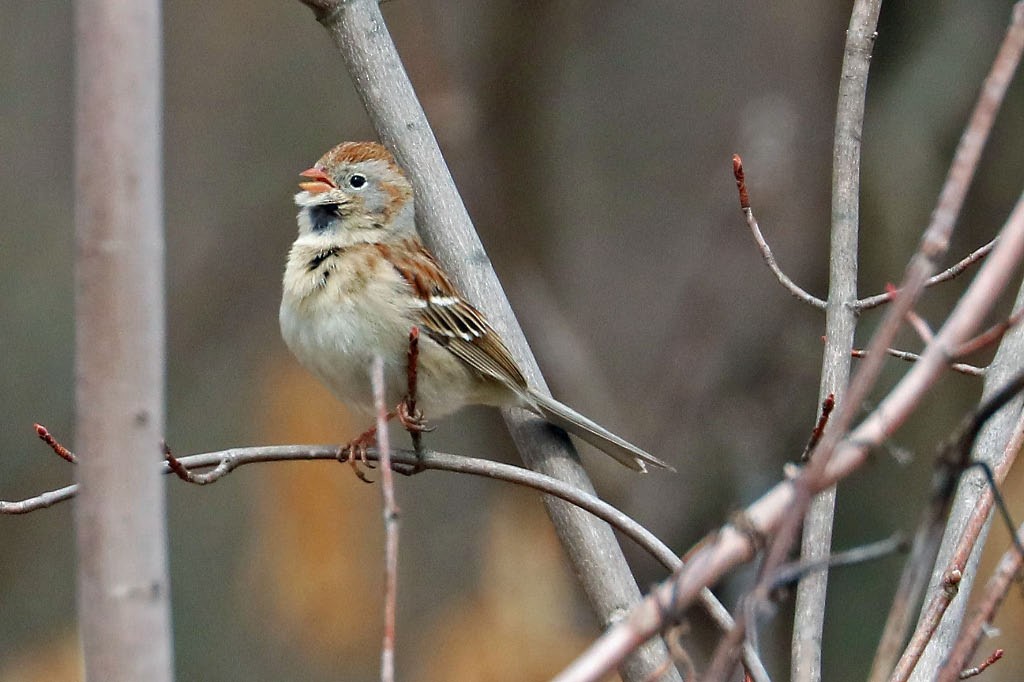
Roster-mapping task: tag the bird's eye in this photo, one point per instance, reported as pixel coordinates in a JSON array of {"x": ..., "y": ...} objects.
[{"x": 356, "y": 180}]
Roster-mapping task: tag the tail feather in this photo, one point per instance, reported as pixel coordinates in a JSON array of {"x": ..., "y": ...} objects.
[{"x": 593, "y": 433}]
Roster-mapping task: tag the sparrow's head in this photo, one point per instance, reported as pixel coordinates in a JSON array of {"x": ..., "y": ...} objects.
[{"x": 357, "y": 188}]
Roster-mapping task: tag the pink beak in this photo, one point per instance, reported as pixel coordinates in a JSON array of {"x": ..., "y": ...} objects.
[{"x": 321, "y": 181}]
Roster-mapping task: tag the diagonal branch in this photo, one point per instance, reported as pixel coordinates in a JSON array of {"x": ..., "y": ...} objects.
[
  {"x": 949, "y": 273},
  {"x": 766, "y": 517},
  {"x": 361, "y": 36}
]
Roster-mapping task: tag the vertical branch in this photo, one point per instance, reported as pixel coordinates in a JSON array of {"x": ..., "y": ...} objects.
[
  {"x": 391, "y": 512},
  {"x": 123, "y": 590},
  {"x": 361, "y": 36},
  {"x": 840, "y": 321}
]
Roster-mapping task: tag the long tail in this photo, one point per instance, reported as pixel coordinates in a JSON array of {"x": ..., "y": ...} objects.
[{"x": 595, "y": 434}]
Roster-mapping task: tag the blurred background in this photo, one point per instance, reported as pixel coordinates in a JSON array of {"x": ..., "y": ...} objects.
[{"x": 591, "y": 142}]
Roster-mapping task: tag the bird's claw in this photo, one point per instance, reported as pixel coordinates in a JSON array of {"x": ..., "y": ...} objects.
[
  {"x": 354, "y": 454},
  {"x": 412, "y": 421}
]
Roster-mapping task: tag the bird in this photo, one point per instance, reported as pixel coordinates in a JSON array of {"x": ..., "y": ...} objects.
[{"x": 358, "y": 279}]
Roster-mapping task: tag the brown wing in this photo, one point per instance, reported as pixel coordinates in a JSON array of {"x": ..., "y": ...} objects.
[{"x": 448, "y": 319}]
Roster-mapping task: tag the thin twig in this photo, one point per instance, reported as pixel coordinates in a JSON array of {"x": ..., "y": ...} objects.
[
  {"x": 944, "y": 276},
  {"x": 953, "y": 458},
  {"x": 990, "y": 335},
  {"x": 391, "y": 513},
  {"x": 968, "y": 673},
  {"x": 920, "y": 326},
  {"x": 907, "y": 356},
  {"x": 61, "y": 451},
  {"x": 762, "y": 245},
  {"x": 789, "y": 573},
  {"x": 225, "y": 461},
  {"x": 731, "y": 546},
  {"x": 827, "y": 405},
  {"x": 927, "y": 624}
]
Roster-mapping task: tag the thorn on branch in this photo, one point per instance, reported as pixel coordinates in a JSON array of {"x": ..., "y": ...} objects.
[{"x": 61, "y": 451}]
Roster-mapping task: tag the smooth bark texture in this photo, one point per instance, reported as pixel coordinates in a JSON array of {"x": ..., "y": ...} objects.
[
  {"x": 123, "y": 591},
  {"x": 840, "y": 322},
  {"x": 358, "y": 30}
]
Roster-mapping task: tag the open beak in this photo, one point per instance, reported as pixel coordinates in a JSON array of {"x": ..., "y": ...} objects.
[{"x": 321, "y": 181}]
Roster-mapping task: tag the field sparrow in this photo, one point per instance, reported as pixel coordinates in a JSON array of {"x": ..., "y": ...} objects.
[{"x": 358, "y": 279}]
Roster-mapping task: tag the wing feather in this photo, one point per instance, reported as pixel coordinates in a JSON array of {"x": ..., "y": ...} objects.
[{"x": 449, "y": 320}]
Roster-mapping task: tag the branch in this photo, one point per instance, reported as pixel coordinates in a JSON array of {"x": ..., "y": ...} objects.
[
  {"x": 391, "y": 511},
  {"x": 907, "y": 356},
  {"x": 762, "y": 245},
  {"x": 944, "y": 276},
  {"x": 731, "y": 546},
  {"x": 954, "y": 568},
  {"x": 361, "y": 37},
  {"x": 224, "y": 462},
  {"x": 123, "y": 587},
  {"x": 951, "y": 462},
  {"x": 840, "y": 325}
]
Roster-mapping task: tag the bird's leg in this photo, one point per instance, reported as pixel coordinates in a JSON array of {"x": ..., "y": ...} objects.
[{"x": 408, "y": 414}]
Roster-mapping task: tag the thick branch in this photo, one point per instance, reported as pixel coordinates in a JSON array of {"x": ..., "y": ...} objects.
[
  {"x": 840, "y": 321},
  {"x": 120, "y": 520}
]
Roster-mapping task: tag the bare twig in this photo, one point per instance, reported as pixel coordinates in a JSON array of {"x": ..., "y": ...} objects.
[
  {"x": 969, "y": 370},
  {"x": 990, "y": 336},
  {"x": 927, "y": 624},
  {"x": 723, "y": 662},
  {"x": 789, "y": 573},
  {"x": 968, "y": 673},
  {"x": 920, "y": 326},
  {"x": 412, "y": 371},
  {"x": 225, "y": 461},
  {"x": 730, "y": 546},
  {"x": 827, "y": 405},
  {"x": 952, "y": 460},
  {"x": 61, "y": 451},
  {"x": 990, "y": 99},
  {"x": 944, "y": 276},
  {"x": 762, "y": 245},
  {"x": 391, "y": 512}
]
